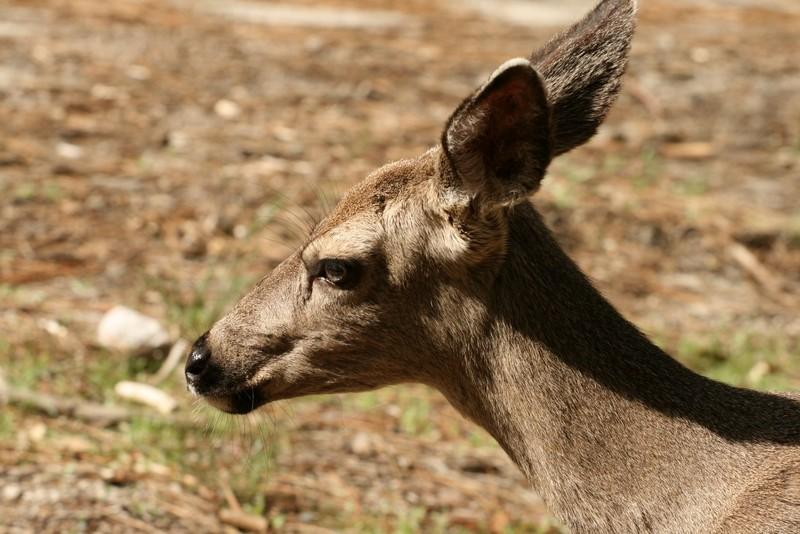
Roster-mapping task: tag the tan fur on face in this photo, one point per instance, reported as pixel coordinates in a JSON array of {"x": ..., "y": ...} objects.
[{"x": 357, "y": 238}]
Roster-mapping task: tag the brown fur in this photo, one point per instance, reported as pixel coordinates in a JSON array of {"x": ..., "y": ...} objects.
[{"x": 462, "y": 287}]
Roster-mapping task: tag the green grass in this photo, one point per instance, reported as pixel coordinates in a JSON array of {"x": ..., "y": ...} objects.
[
  {"x": 49, "y": 191},
  {"x": 25, "y": 367},
  {"x": 24, "y": 192},
  {"x": 743, "y": 358},
  {"x": 217, "y": 444},
  {"x": 412, "y": 405},
  {"x": 692, "y": 185},
  {"x": 651, "y": 167},
  {"x": 415, "y": 417},
  {"x": 613, "y": 164},
  {"x": 574, "y": 172},
  {"x": 566, "y": 192},
  {"x": 794, "y": 232},
  {"x": 8, "y": 424},
  {"x": 91, "y": 376}
]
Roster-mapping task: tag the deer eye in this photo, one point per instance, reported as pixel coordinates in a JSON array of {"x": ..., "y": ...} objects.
[{"x": 341, "y": 273}]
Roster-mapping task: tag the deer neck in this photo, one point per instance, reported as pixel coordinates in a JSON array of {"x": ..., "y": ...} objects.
[{"x": 608, "y": 428}]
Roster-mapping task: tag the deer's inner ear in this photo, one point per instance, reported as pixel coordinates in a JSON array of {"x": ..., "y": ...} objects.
[{"x": 498, "y": 140}]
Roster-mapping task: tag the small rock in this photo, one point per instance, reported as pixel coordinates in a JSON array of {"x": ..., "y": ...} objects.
[
  {"x": 177, "y": 140},
  {"x": 107, "y": 92},
  {"x": 700, "y": 54},
  {"x": 11, "y": 492},
  {"x": 37, "y": 432},
  {"x": 53, "y": 327},
  {"x": 118, "y": 476},
  {"x": 394, "y": 410},
  {"x": 75, "y": 444},
  {"x": 227, "y": 109},
  {"x": 125, "y": 329},
  {"x": 361, "y": 444},
  {"x": 69, "y": 151},
  {"x": 138, "y": 72},
  {"x": 240, "y": 231},
  {"x": 307, "y": 516}
]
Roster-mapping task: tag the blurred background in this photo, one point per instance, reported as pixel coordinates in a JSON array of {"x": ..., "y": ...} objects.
[{"x": 159, "y": 156}]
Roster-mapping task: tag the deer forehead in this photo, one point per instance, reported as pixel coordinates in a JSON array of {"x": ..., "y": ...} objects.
[
  {"x": 357, "y": 225},
  {"x": 356, "y": 237}
]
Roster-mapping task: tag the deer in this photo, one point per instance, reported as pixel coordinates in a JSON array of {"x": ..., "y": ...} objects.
[{"x": 439, "y": 270}]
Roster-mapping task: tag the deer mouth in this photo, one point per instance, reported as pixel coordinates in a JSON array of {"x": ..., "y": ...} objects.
[{"x": 241, "y": 402}]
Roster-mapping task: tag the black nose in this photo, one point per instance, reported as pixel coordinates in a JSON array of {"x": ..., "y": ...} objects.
[{"x": 197, "y": 362}]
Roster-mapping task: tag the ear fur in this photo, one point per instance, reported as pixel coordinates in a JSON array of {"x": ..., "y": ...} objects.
[
  {"x": 582, "y": 68},
  {"x": 498, "y": 140}
]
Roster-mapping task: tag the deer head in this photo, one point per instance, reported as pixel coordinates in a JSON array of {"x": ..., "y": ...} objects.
[{"x": 393, "y": 286}]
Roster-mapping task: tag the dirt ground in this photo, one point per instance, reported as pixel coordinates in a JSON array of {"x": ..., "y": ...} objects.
[{"x": 165, "y": 154}]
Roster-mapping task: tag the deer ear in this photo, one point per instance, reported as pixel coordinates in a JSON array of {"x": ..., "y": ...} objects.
[
  {"x": 582, "y": 69},
  {"x": 498, "y": 140}
]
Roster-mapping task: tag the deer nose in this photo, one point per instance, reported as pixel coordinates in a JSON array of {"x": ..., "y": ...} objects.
[{"x": 197, "y": 362}]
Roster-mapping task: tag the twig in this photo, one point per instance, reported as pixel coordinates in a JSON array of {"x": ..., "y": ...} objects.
[
  {"x": 243, "y": 521},
  {"x": 175, "y": 356},
  {"x": 69, "y": 407},
  {"x": 189, "y": 515},
  {"x": 230, "y": 497},
  {"x": 693, "y": 150},
  {"x": 147, "y": 395},
  {"x": 90, "y": 412},
  {"x": 750, "y": 263},
  {"x": 302, "y": 528},
  {"x": 646, "y": 98},
  {"x": 129, "y": 522}
]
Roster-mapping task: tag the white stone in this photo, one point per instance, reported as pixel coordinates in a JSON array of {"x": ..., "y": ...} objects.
[
  {"x": 125, "y": 329},
  {"x": 69, "y": 151},
  {"x": 37, "y": 432},
  {"x": 11, "y": 492},
  {"x": 361, "y": 444},
  {"x": 227, "y": 109},
  {"x": 138, "y": 72}
]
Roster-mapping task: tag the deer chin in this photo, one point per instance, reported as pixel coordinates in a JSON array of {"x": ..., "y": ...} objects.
[{"x": 241, "y": 402}]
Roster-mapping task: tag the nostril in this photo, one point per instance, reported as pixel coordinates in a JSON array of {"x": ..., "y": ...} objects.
[
  {"x": 198, "y": 359},
  {"x": 197, "y": 362}
]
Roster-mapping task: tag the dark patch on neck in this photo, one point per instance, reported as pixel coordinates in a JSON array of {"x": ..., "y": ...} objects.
[{"x": 582, "y": 330}]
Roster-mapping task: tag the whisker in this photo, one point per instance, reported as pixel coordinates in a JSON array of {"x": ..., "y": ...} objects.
[
  {"x": 306, "y": 224},
  {"x": 263, "y": 437},
  {"x": 297, "y": 231},
  {"x": 326, "y": 202}
]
